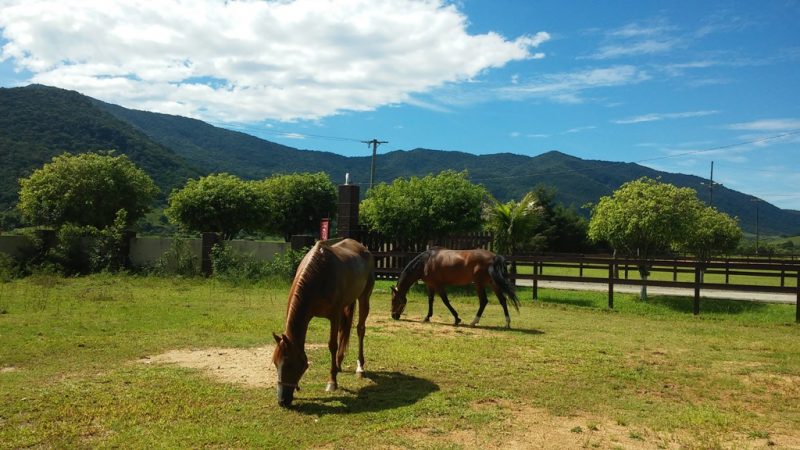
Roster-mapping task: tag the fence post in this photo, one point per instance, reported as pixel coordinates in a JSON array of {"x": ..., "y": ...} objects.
[
  {"x": 675, "y": 270},
  {"x": 208, "y": 240},
  {"x": 535, "y": 280},
  {"x": 580, "y": 272},
  {"x": 611, "y": 285},
  {"x": 347, "y": 219},
  {"x": 727, "y": 270},
  {"x": 797, "y": 300},
  {"x": 696, "y": 303}
]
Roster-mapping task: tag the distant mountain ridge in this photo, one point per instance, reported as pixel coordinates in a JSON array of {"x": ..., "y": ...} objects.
[{"x": 38, "y": 122}]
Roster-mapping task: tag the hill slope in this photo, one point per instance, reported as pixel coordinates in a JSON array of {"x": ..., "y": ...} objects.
[{"x": 37, "y": 122}]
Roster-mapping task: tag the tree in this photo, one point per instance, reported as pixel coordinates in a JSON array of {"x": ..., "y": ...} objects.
[
  {"x": 220, "y": 203},
  {"x": 711, "y": 232},
  {"x": 512, "y": 223},
  {"x": 298, "y": 201},
  {"x": 88, "y": 189},
  {"x": 419, "y": 209},
  {"x": 644, "y": 218}
]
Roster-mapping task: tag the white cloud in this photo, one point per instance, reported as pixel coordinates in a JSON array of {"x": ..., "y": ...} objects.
[
  {"x": 767, "y": 125},
  {"x": 653, "y": 117},
  {"x": 568, "y": 87},
  {"x": 246, "y": 60}
]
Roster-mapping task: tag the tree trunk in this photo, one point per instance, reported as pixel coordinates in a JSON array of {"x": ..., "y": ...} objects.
[{"x": 644, "y": 273}]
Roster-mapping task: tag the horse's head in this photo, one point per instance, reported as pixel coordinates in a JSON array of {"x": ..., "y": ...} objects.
[
  {"x": 291, "y": 363},
  {"x": 398, "y": 303}
]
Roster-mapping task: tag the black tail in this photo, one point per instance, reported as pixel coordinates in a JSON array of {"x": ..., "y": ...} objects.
[{"x": 500, "y": 277}]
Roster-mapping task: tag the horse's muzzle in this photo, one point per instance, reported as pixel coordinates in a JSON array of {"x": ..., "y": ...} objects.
[
  {"x": 285, "y": 395},
  {"x": 395, "y": 316}
]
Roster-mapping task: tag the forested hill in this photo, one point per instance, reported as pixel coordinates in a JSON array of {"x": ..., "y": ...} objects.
[{"x": 38, "y": 122}]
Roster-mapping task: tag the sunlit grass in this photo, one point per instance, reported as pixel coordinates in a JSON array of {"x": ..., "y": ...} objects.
[{"x": 70, "y": 377}]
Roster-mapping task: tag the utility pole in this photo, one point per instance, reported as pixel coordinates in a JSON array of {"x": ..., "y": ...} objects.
[
  {"x": 757, "y": 200},
  {"x": 375, "y": 143},
  {"x": 711, "y": 185}
]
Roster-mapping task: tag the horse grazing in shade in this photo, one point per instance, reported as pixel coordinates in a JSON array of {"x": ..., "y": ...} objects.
[
  {"x": 440, "y": 267},
  {"x": 327, "y": 283}
]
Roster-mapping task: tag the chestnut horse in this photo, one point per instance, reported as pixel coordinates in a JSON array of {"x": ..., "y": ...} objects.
[
  {"x": 440, "y": 267},
  {"x": 327, "y": 283}
]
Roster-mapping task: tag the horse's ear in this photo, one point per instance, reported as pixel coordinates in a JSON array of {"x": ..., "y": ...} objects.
[
  {"x": 277, "y": 338},
  {"x": 394, "y": 289}
]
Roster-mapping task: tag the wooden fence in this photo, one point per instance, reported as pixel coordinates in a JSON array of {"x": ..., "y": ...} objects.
[{"x": 732, "y": 274}]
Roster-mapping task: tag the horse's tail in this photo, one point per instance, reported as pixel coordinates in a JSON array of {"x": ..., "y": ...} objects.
[{"x": 501, "y": 279}]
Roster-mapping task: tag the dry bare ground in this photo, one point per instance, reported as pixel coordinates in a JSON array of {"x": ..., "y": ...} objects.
[{"x": 526, "y": 427}]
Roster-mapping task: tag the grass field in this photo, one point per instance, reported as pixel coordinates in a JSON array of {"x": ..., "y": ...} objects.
[{"x": 80, "y": 367}]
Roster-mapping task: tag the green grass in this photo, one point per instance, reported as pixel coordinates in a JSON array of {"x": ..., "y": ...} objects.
[{"x": 644, "y": 373}]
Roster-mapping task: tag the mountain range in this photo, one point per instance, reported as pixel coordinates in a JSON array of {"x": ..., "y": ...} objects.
[{"x": 38, "y": 122}]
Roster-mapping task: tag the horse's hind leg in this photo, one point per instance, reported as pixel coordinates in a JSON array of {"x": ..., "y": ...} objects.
[
  {"x": 502, "y": 299},
  {"x": 361, "y": 328},
  {"x": 443, "y": 294},
  {"x": 483, "y": 302},
  {"x": 344, "y": 333},
  {"x": 431, "y": 294}
]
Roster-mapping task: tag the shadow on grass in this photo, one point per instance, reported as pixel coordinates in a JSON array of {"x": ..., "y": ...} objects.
[
  {"x": 568, "y": 301},
  {"x": 390, "y": 390},
  {"x": 477, "y": 327},
  {"x": 708, "y": 305}
]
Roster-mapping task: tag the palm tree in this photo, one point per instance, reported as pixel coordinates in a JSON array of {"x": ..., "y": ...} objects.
[{"x": 512, "y": 222}]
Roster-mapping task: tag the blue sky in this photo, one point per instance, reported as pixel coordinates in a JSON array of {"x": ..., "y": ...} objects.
[{"x": 671, "y": 85}]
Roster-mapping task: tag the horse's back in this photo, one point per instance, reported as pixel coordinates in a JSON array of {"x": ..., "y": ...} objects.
[
  {"x": 355, "y": 267},
  {"x": 457, "y": 267}
]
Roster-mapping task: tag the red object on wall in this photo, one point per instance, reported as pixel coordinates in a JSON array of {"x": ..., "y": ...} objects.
[{"x": 324, "y": 229}]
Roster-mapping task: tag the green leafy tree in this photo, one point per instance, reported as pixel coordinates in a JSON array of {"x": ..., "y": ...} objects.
[
  {"x": 86, "y": 190},
  {"x": 712, "y": 232},
  {"x": 298, "y": 201},
  {"x": 419, "y": 209},
  {"x": 220, "y": 203},
  {"x": 512, "y": 223},
  {"x": 644, "y": 218},
  {"x": 559, "y": 230}
]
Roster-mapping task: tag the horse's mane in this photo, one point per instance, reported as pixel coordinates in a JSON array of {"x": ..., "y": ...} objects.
[
  {"x": 308, "y": 279},
  {"x": 413, "y": 270}
]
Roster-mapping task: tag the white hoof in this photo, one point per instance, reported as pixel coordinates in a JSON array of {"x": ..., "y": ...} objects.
[
  {"x": 360, "y": 370},
  {"x": 330, "y": 387},
  {"x": 475, "y": 321}
]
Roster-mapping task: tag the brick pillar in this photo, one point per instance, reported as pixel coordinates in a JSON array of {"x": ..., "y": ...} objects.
[{"x": 348, "y": 212}]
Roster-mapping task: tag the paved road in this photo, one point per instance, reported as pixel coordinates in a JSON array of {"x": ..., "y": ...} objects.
[{"x": 654, "y": 290}]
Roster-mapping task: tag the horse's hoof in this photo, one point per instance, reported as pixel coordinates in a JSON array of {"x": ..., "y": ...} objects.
[
  {"x": 360, "y": 375},
  {"x": 458, "y": 321},
  {"x": 330, "y": 387},
  {"x": 427, "y": 319}
]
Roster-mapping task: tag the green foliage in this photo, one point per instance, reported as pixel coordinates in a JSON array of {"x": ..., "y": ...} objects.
[
  {"x": 230, "y": 265},
  {"x": 221, "y": 203},
  {"x": 512, "y": 223},
  {"x": 711, "y": 232},
  {"x": 178, "y": 260},
  {"x": 86, "y": 190},
  {"x": 297, "y": 202},
  {"x": 644, "y": 217},
  {"x": 419, "y": 209}
]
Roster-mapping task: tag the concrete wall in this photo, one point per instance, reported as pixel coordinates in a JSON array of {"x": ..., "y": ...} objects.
[{"x": 146, "y": 251}]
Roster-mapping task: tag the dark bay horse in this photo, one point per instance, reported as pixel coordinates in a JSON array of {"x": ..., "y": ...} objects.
[
  {"x": 327, "y": 283},
  {"x": 440, "y": 267}
]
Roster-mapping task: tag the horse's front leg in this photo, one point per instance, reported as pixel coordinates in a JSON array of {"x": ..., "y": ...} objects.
[
  {"x": 333, "y": 346},
  {"x": 431, "y": 294},
  {"x": 363, "y": 312},
  {"x": 443, "y": 294}
]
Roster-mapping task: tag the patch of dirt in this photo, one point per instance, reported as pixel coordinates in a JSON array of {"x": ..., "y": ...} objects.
[
  {"x": 528, "y": 427},
  {"x": 415, "y": 325},
  {"x": 8, "y": 369},
  {"x": 246, "y": 366}
]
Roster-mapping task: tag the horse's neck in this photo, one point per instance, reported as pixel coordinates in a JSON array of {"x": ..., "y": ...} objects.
[
  {"x": 408, "y": 278},
  {"x": 297, "y": 321}
]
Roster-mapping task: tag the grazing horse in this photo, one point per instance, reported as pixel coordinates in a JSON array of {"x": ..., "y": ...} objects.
[
  {"x": 440, "y": 267},
  {"x": 327, "y": 283}
]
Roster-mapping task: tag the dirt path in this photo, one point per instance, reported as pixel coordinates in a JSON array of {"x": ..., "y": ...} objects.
[{"x": 655, "y": 290}]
